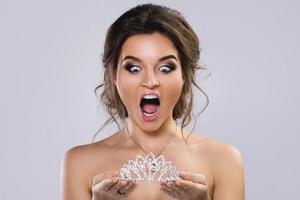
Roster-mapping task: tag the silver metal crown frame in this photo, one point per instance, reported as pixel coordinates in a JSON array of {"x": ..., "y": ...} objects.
[{"x": 149, "y": 168}]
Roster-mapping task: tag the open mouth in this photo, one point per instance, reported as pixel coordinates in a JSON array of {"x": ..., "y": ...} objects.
[{"x": 149, "y": 105}]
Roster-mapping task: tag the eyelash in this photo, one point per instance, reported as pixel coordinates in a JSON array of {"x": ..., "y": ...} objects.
[{"x": 129, "y": 67}]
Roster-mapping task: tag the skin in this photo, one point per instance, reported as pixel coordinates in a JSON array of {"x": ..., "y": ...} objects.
[{"x": 209, "y": 170}]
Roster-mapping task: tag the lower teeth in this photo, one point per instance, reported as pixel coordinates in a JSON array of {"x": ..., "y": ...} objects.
[{"x": 149, "y": 115}]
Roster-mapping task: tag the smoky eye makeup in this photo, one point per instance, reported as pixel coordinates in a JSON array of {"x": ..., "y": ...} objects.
[
  {"x": 132, "y": 68},
  {"x": 164, "y": 68},
  {"x": 167, "y": 68}
]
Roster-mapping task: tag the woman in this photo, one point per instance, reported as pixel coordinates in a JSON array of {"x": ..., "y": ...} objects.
[{"x": 150, "y": 59}]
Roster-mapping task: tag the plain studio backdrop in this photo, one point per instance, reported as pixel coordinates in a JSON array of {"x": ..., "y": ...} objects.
[{"x": 50, "y": 65}]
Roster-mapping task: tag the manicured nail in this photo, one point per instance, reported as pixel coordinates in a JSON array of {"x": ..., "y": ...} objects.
[
  {"x": 114, "y": 180},
  {"x": 181, "y": 173},
  {"x": 170, "y": 184}
]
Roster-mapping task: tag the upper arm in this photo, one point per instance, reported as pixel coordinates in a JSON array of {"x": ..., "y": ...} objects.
[
  {"x": 73, "y": 182},
  {"x": 229, "y": 174}
]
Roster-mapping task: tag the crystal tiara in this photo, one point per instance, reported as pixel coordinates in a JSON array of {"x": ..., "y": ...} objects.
[{"x": 149, "y": 168}]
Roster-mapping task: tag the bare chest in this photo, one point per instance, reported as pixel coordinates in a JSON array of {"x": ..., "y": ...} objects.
[{"x": 184, "y": 160}]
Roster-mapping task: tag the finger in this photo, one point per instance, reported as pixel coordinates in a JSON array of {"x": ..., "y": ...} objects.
[
  {"x": 197, "y": 178},
  {"x": 114, "y": 173},
  {"x": 166, "y": 191},
  {"x": 126, "y": 187},
  {"x": 101, "y": 186},
  {"x": 99, "y": 177},
  {"x": 170, "y": 192},
  {"x": 172, "y": 186},
  {"x": 115, "y": 187},
  {"x": 190, "y": 186},
  {"x": 105, "y": 184},
  {"x": 180, "y": 185},
  {"x": 130, "y": 189},
  {"x": 166, "y": 188}
]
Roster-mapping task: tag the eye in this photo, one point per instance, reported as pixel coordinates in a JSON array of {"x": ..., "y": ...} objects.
[
  {"x": 167, "y": 68},
  {"x": 132, "y": 68}
]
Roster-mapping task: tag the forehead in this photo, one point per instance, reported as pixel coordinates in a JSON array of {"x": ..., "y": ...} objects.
[{"x": 148, "y": 46}]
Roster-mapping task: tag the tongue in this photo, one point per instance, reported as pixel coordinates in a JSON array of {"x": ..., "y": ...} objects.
[{"x": 149, "y": 108}]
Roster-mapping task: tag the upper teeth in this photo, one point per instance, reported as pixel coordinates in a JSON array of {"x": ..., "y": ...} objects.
[{"x": 150, "y": 96}]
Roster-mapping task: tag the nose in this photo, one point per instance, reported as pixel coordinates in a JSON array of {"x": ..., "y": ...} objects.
[{"x": 151, "y": 80}]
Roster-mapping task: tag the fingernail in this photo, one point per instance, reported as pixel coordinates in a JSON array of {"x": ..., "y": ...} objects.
[
  {"x": 170, "y": 184},
  {"x": 181, "y": 173},
  {"x": 114, "y": 180},
  {"x": 123, "y": 182}
]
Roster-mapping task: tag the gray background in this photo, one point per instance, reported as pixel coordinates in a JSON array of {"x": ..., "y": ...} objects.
[{"x": 50, "y": 65}]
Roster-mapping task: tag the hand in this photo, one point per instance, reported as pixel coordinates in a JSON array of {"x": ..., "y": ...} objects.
[
  {"x": 107, "y": 186},
  {"x": 188, "y": 187}
]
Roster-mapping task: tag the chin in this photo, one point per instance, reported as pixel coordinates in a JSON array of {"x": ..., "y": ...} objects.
[{"x": 151, "y": 127}]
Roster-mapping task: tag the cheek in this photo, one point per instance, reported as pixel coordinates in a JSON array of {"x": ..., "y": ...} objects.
[
  {"x": 127, "y": 89},
  {"x": 173, "y": 90}
]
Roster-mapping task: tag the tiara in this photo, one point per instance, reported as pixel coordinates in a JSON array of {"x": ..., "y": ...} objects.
[{"x": 149, "y": 168}]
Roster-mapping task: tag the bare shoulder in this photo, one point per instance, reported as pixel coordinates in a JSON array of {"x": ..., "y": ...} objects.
[
  {"x": 216, "y": 150},
  {"x": 81, "y": 154},
  {"x": 74, "y": 168},
  {"x": 227, "y": 167},
  {"x": 78, "y": 166}
]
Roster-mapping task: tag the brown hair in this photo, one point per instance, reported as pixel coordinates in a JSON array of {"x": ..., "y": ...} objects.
[{"x": 147, "y": 19}]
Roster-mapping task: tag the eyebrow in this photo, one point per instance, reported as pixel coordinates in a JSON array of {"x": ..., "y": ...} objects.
[{"x": 161, "y": 59}]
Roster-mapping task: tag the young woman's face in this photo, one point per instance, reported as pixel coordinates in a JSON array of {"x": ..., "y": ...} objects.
[{"x": 149, "y": 64}]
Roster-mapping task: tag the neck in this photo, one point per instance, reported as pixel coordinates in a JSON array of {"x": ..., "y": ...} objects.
[{"x": 153, "y": 140}]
